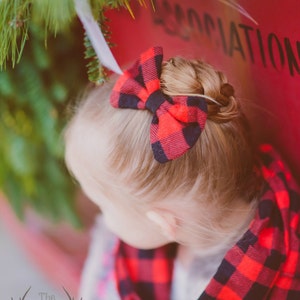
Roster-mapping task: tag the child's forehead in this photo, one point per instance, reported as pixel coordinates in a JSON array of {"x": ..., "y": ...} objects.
[{"x": 86, "y": 148}]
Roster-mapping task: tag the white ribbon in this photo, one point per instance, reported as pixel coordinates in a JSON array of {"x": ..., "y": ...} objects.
[
  {"x": 239, "y": 8},
  {"x": 96, "y": 37}
]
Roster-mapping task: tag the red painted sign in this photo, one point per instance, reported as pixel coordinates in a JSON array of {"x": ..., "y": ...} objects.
[{"x": 259, "y": 52}]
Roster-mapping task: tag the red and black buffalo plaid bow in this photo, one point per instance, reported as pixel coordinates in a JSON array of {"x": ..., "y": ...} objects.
[
  {"x": 263, "y": 265},
  {"x": 177, "y": 122}
]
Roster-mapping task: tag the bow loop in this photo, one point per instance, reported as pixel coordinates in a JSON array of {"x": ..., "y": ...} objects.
[
  {"x": 150, "y": 67},
  {"x": 134, "y": 87},
  {"x": 177, "y": 121}
]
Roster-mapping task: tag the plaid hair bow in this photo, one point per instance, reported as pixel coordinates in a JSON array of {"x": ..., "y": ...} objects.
[{"x": 177, "y": 121}]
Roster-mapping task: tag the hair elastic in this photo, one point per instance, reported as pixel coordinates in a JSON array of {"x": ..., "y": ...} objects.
[{"x": 197, "y": 95}]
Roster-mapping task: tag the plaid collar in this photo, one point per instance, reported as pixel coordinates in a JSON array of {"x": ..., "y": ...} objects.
[{"x": 264, "y": 264}]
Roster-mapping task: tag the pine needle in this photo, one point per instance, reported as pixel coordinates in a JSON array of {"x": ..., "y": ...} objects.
[
  {"x": 55, "y": 14},
  {"x": 13, "y": 30},
  {"x": 96, "y": 72}
]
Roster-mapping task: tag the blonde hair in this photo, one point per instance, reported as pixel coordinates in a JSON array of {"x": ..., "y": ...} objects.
[{"x": 219, "y": 168}]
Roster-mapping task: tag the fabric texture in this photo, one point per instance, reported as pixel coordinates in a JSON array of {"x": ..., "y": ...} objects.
[
  {"x": 264, "y": 264},
  {"x": 177, "y": 121},
  {"x": 144, "y": 274}
]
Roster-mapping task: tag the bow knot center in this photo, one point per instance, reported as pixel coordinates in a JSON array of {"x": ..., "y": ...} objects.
[{"x": 155, "y": 100}]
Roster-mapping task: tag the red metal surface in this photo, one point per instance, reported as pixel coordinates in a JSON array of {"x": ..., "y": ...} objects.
[{"x": 261, "y": 59}]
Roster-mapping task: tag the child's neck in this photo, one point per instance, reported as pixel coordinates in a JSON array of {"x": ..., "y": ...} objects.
[
  {"x": 192, "y": 273},
  {"x": 243, "y": 217},
  {"x": 194, "y": 268}
]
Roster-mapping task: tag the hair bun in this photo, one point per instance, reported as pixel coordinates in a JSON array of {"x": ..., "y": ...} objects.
[
  {"x": 182, "y": 76},
  {"x": 227, "y": 90},
  {"x": 229, "y": 109}
]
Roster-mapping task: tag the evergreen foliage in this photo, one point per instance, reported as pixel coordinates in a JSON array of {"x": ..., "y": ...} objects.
[
  {"x": 42, "y": 69},
  {"x": 50, "y": 15},
  {"x": 33, "y": 98},
  {"x": 14, "y": 16}
]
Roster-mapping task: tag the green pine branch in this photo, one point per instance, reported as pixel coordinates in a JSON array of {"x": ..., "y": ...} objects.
[
  {"x": 14, "y": 20},
  {"x": 35, "y": 94},
  {"x": 33, "y": 100},
  {"x": 53, "y": 16},
  {"x": 96, "y": 72}
]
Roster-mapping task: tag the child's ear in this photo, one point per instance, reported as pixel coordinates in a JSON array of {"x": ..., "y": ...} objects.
[{"x": 165, "y": 220}]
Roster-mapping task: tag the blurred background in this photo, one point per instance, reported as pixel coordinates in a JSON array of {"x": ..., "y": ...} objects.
[
  {"x": 46, "y": 61},
  {"x": 20, "y": 273}
]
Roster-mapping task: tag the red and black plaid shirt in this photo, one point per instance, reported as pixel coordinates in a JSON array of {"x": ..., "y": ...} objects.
[{"x": 264, "y": 264}]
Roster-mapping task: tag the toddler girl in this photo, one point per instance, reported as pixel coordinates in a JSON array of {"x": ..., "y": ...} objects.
[{"x": 189, "y": 210}]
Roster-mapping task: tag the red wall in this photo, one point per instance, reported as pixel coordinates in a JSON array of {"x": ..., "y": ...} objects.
[{"x": 261, "y": 59}]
